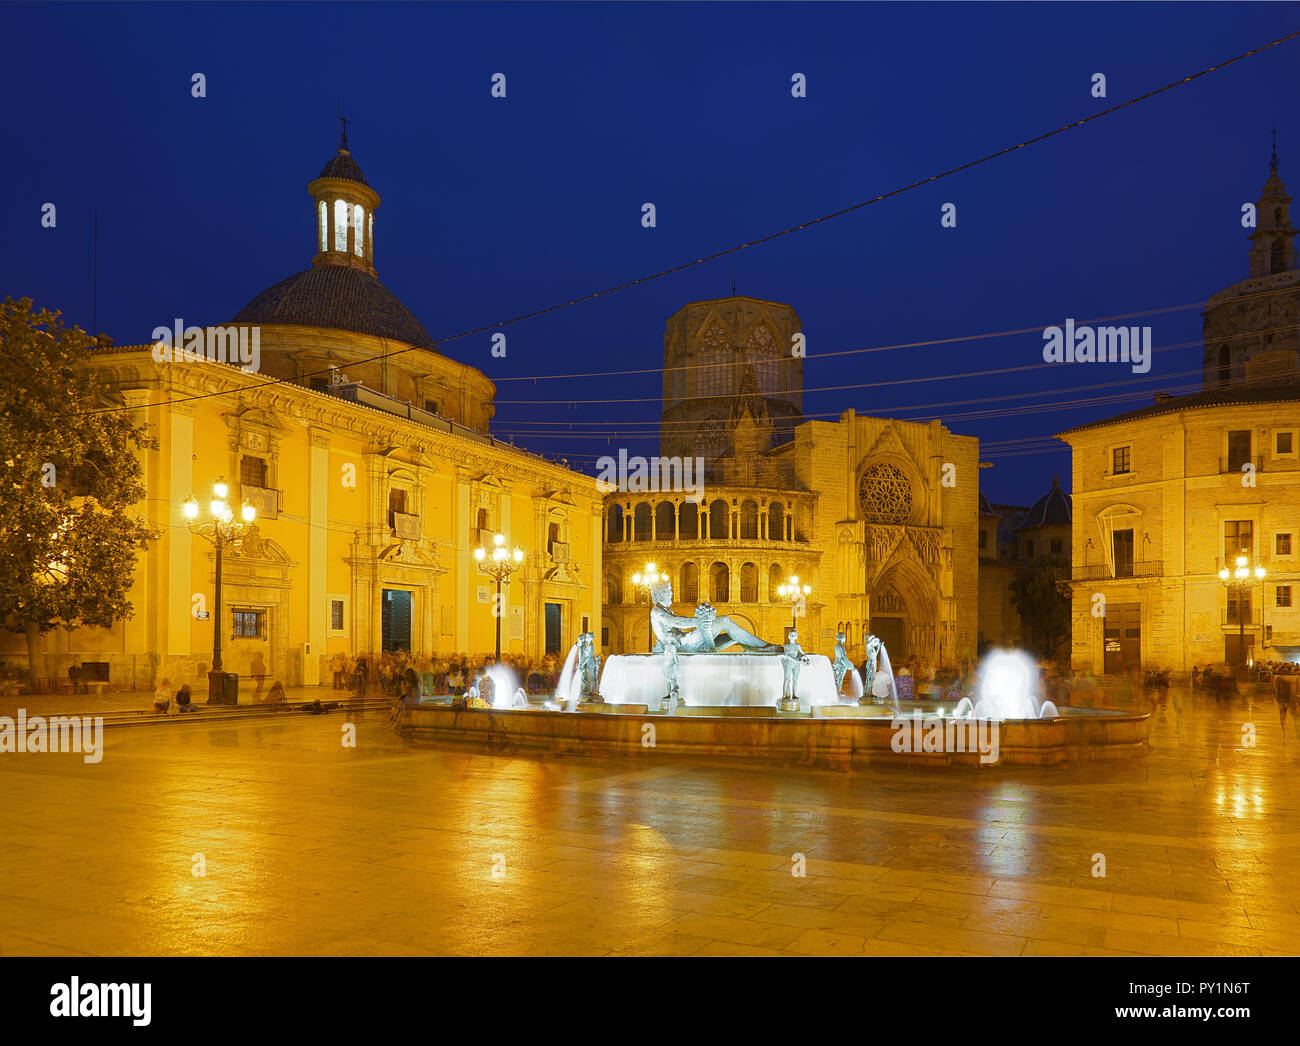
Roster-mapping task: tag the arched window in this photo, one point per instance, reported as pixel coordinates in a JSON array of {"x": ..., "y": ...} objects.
[
  {"x": 719, "y": 583},
  {"x": 719, "y": 519},
  {"x": 1275, "y": 258},
  {"x": 324, "y": 222},
  {"x": 748, "y": 520},
  {"x": 340, "y": 226},
  {"x": 552, "y": 536},
  {"x": 711, "y": 441},
  {"x": 748, "y": 583},
  {"x": 613, "y": 590},
  {"x": 358, "y": 230},
  {"x": 776, "y": 521},
  {"x": 664, "y": 521},
  {"x": 615, "y": 530},
  {"x": 641, "y": 522},
  {"x": 690, "y": 586},
  {"x": 1225, "y": 365},
  {"x": 690, "y": 519},
  {"x": 775, "y": 579}
]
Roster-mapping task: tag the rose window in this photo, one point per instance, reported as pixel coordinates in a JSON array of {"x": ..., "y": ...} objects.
[{"x": 885, "y": 494}]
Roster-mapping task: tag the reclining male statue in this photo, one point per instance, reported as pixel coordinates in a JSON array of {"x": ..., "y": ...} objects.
[{"x": 705, "y": 633}]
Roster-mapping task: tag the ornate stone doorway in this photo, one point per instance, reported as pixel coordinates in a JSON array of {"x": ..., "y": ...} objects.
[
  {"x": 893, "y": 633},
  {"x": 395, "y": 615}
]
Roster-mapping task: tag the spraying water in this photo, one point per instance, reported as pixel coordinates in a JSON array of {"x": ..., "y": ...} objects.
[
  {"x": 566, "y": 695},
  {"x": 1008, "y": 688},
  {"x": 504, "y": 685},
  {"x": 885, "y": 672}
]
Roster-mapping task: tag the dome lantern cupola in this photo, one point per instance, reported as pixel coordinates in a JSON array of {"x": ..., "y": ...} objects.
[{"x": 345, "y": 213}]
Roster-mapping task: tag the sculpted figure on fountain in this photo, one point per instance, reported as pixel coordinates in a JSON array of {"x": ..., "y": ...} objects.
[
  {"x": 872, "y": 643},
  {"x": 670, "y": 668},
  {"x": 842, "y": 663},
  {"x": 792, "y": 659},
  {"x": 588, "y": 667},
  {"x": 705, "y": 633}
]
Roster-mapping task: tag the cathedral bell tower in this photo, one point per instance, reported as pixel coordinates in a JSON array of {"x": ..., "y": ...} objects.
[
  {"x": 1253, "y": 323},
  {"x": 1272, "y": 247}
]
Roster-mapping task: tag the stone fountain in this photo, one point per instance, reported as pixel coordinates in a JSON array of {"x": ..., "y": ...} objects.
[{"x": 709, "y": 660}]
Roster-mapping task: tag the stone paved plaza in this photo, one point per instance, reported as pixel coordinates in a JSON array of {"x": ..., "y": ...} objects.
[{"x": 390, "y": 848}]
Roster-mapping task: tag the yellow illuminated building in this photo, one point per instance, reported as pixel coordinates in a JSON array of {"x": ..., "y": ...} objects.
[
  {"x": 1168, "y": 498},
  {"x": 877, "y": 517},
  {"x": 373, "y": 480}
]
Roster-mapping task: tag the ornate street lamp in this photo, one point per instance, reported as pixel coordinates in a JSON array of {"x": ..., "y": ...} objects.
[
  {"x": 1240, "y": 580},
  {"x": 797, "y": 594},
  {"x": 499, "y": 563},
  {"x": 221, "y": 530},
  {"x": 645, "y": 581}
]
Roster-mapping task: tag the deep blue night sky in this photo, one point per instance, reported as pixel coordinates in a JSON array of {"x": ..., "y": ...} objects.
[{"x": 493, "y": 208}]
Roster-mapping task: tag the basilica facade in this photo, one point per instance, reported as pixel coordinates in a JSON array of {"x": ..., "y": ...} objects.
[
  {"x": 878, "y": 518},
  {"x": 366, "y": 454}
]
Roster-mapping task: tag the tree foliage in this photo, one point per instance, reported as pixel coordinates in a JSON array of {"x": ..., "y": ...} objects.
[
  {"x": 70, "y": 479},
  {"x": 1043, "y": 610}
]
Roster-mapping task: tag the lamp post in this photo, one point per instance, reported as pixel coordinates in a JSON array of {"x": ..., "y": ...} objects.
[
  {"x": 796, "y": 593},
  {"x": 1240, "y": 580},
  {"x": 221, "y": 530},
  {"x": 645, "y": 582},
  {"x": 499, "y": 563}
]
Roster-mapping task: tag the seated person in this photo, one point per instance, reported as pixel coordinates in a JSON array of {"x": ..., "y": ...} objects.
[
  {"x": 162, "y": 698},
  {"x": 276, "y": 695},
  {"x": 412, "y": 688},
  {"x": 184, "y": 700}
]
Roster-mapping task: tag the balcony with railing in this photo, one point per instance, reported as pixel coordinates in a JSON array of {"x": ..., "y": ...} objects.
[
  {"x": 687, "y": 546},
  {"x": 1234, "y": 465},
  {"x": 1120, "y": 571}
]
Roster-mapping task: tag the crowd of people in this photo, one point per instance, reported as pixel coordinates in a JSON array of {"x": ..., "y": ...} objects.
[
  {"x": 395, "y": 673},
  {"x": 400, "y": 675}
]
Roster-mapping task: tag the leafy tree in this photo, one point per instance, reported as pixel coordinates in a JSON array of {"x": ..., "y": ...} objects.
[
  {"x": 69, "y": 483},
  {"x": 1043, "y": 610}
]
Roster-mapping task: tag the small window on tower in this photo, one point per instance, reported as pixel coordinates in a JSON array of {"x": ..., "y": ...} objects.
[
  {"x": 340, "y": 226},
  {"x": 324, "y": 226},
  {"x": 359, "y": 223}
]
